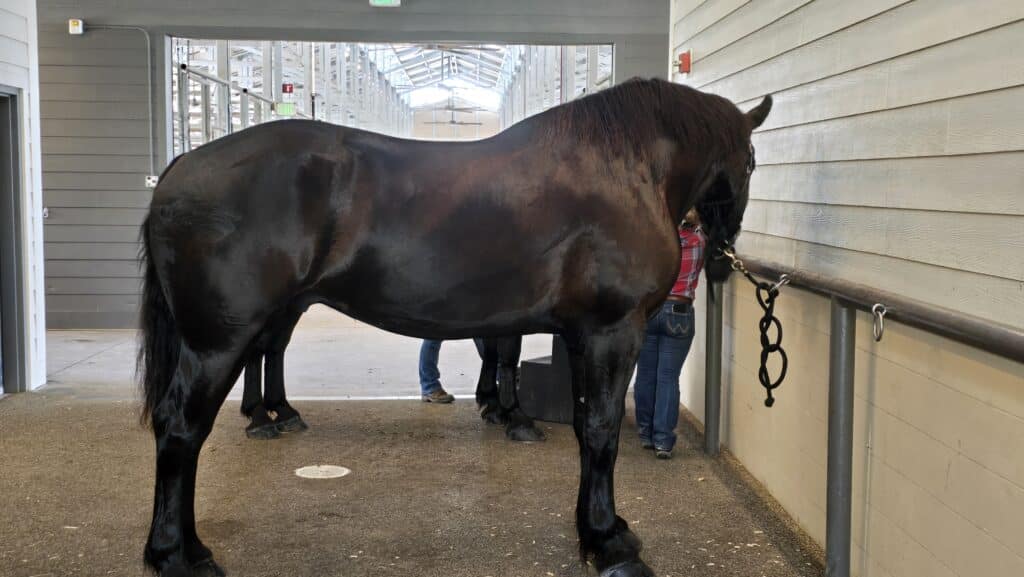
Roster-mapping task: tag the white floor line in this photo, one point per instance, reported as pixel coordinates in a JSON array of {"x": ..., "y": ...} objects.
[{"x": 307, "y": 398}]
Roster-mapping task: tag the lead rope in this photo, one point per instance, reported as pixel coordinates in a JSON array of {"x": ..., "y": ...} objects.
[{"x": 766, "y": 294}]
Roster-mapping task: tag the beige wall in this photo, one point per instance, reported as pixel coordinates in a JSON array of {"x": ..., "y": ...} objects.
[
  {"x": 894, "y": 157},
  {"x": 19, "y": 69},
  {"x": 896, "y": 142}
]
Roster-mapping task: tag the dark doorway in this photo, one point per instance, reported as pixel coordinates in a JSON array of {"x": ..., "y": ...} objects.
[{"x": 12, "y": 375}]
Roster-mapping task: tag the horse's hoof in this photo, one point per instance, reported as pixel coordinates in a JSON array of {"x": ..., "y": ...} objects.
[
  {"x": 262, "y": 432},
  {"x": 628, "y": 569},
  {"x": 525, "y": 434},
  {"x": 292, "y": 425},
  {"x": 494, "y": 417},
  {"x": 207, "y": 568}
]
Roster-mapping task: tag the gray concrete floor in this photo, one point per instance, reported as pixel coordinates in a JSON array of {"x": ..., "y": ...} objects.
[{"x": 433, "y": 492}]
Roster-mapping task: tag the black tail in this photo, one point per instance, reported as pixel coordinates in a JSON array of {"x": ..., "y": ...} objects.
[{"x": 160, "y": 343}]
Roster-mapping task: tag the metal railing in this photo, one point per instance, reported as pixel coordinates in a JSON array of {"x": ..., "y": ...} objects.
[
  {"x": 846, "y": 298},
  {"x": 252, "y": 108}
]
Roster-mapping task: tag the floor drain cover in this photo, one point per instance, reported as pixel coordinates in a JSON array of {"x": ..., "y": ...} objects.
[{"x": 322, "y": 472}]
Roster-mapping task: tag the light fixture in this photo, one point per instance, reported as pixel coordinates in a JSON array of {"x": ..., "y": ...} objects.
[
  {"x": 385, "y": 3},
  {"x": 76, "y": 27}
]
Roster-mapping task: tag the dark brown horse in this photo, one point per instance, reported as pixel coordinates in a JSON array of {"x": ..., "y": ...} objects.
[{"x": 564, "y": 223}]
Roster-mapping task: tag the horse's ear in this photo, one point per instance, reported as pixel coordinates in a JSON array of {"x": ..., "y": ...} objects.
[{"x": 760, "y": 112}]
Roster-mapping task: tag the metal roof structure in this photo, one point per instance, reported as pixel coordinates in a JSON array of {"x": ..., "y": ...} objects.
[{"x": 430, "y": 64}]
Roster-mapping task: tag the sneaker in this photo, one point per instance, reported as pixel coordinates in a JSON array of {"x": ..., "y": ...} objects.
[
  {"x": 438, "y": 396},
  {"x": 662, "y": 453},
  {"x": 646, "y": 444}
]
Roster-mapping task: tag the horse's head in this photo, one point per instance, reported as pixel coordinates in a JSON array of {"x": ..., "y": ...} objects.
[{"x": 722, "y": 205}]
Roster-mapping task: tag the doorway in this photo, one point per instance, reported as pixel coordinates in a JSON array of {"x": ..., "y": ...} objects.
[{"x": 12, "y": 375}]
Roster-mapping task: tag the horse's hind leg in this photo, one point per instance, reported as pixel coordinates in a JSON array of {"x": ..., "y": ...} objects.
[
  {"x": 602, "y": 364},
  {"x": 287, "y": 419},
  {"x": 519, "y": 426},
  {"x": 181, "y": 421},
  {"x": 261, "y": 425}
]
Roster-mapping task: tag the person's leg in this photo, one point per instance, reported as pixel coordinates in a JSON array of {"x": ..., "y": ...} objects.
[
  {"x": 646, "y": 383},
  {"x": 673, "y": 347},
  {"x": 430, "y": 377}
]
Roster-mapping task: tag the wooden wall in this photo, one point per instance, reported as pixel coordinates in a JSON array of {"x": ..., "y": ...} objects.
[
  {"x": 894, "y": 156},
  {"x": 19, "y": 70},
  {"x": 95, "y": 159}
]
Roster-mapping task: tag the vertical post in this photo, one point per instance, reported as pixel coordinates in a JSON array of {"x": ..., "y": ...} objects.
[
  {"x": 712, "y": 369},
  {"x": 567, "y": 72},
  {"x": 224, "y": 119},
  {"x": 205, "y": 103},
  {"x": 842, "y": 349},
  {"x": 267, "y": 55},
  {"x": 183, "y": 111},
  {"x": 593, "y": 61},
  {"x": 243, "y": 108},
  {"x": 308, "y": 103},
  {"x": 276, "y": 71}
]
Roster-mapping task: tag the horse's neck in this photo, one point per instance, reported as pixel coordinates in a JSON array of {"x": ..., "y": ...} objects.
[{"x": 687, "y": 182}]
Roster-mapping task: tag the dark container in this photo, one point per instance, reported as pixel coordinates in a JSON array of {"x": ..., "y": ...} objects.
[{"x": 545, "y": 385}]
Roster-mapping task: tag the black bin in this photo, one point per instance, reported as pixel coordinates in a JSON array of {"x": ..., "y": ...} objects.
[{"x": 545, "y": 385}]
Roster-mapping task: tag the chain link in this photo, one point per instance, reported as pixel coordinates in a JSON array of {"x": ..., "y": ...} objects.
[{"x": 766, "y": 294}]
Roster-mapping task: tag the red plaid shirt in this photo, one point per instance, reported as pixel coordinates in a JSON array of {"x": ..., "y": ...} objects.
[{"x": 692, "y": 242}]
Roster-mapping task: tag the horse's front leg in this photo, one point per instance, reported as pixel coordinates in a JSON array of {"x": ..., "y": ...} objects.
[
  {"x": 602, "y": 364},
  {"x": 487, "y": 385},
  {"x": 261, "y": 425},
  {"x": 287, "y": 419}
]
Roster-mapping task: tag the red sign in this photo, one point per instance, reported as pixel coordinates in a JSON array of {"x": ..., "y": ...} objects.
[
  {"x": 287, "y": 88},
  {"x": 684, "y": 62}
]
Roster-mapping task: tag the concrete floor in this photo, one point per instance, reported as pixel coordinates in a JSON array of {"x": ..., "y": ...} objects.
[{"x": 433, "y": 492}]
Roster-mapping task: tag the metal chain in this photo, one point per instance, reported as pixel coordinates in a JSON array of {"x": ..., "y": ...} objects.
[{"x": 766, "y": 294}]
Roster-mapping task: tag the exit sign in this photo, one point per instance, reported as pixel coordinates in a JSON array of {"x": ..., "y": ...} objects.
[
  {"x": 386, "y": 3},
  {"x": 284, "y": 108}
]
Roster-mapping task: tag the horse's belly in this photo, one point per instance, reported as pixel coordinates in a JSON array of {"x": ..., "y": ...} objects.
[{"x": 432, "y": 302}]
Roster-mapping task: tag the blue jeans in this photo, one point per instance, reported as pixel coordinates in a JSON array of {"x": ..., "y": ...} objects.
[
  {"x": 430, "y": 377},
  {"x": 656, "y": 392}
]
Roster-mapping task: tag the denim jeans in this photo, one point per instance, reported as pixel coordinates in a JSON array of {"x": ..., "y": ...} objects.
[
  {"x": 656, "y": 391},
  {"x": 430, "y": 376}
]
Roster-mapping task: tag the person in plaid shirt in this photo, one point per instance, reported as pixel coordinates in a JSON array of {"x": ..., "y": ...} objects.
[{"x": 666, "y": 344}]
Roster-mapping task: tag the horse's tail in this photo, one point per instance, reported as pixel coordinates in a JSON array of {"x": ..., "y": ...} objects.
[{"x": 160, "y": 343}]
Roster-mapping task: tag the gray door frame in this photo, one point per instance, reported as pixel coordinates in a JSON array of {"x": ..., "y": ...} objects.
[{"x": 12, "y": 302}]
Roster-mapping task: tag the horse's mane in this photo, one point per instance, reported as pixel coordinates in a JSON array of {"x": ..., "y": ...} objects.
[{"x": 635, "y": 113}]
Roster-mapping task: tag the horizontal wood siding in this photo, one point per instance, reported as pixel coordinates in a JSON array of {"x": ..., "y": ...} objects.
[
  {"x": 897, "y": 132},
  {"x": 94, "y": 137},
  {"x": 894, "y": 157}
]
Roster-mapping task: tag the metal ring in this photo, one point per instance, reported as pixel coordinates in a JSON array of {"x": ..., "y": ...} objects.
[
  {"x": 783, "y": 281},
  {"x": 878, "y": 311}
]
